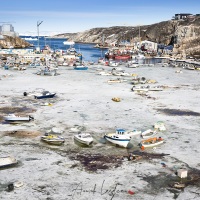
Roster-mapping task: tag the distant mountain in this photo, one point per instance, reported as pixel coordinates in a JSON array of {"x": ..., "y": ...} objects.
[{"x": 183, "y": 34}]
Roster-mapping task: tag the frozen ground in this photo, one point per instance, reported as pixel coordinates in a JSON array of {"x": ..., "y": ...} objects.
[{"x": 83, "y": 100}]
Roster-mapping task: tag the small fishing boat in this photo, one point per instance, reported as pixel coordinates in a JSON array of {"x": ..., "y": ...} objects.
[
  {"x": 81, "y": 67},
  {"x": 12, "y": 118},
  {"x": 159, "y": 126},
  {"x": 117, "y": 139},
  {"x": 139, "y": 89},
  {"x": 148, "y": 133},
  {"x": 53, "y": 139},
  {"x": 151, "y": 142},
  {"x": 7, "y": 161},
  {"x": 45, "y": 94},
  {"x": 121, "y": 137},
  {"x": 84, "y": 138},
  {"x": 70, "y": 43}
]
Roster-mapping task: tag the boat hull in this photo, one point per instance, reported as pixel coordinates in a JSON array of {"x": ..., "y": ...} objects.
[
  {"x": 81, "y": 68},
  {"x": 82, "y": 141},
  {"x": 7, "y": 161},
  {"x": 119, "y": 142},
  {"x": 53, "y": 141},
  {"x": 45, "y": 96}
]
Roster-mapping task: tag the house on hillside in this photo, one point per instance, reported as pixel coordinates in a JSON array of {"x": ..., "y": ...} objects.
[
  {"x": 181, "y": 16},
  {"x": 149, "y": 46}
]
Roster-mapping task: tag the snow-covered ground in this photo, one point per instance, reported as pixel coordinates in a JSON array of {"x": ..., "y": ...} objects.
[{"x": 84, "y": 100}]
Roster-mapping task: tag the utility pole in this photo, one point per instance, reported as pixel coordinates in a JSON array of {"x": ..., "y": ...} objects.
[{"x": 38, "y": 24}]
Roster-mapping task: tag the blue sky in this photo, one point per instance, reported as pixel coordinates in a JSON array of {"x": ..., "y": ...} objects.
[{"x": 63, "y": 16}]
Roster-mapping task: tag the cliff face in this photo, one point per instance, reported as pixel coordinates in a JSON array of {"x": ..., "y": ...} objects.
[
  {"x": 184, "y": 35},
  {"x": 15, "y": 42}
]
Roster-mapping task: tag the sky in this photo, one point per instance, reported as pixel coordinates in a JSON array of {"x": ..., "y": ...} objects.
[{"x": 69, "y": 16}]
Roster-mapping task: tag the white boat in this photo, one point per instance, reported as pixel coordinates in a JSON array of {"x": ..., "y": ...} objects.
[
  {"x": 139, "y": 89},
  {"x": 151, "y": 142},
  {"x": 12, "y": 118},
  {"x": 121, "y": 137},
  {"x": 53, "y": 139},
  {"x": 7, "y": 161},
  {"x": 159, "y": 126},
  {"x": 84, "y": 138},
  {"x": 69, "y": 43},
  {"x": 155, "y": 88},
  {"x": 30, "y": 39},
  {"x": 120, "y": 140},
  {"x": 148, "y": 133},
  {"x": 113, "y": 64}
]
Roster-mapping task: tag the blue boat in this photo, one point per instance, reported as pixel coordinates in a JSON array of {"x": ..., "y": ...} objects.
[
  {"x": 45, "y": 94},
  {"x": 81, "y": 67}
]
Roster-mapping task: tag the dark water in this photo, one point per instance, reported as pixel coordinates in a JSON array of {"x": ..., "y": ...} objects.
[{"x": 88, "y": 51}]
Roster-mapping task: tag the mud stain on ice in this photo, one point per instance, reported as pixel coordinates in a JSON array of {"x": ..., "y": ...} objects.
[{"x": 177, "y": 112}]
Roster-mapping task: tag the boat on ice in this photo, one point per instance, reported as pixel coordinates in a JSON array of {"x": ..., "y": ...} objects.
[
  {"x": 84, "y": 138},
  {"x": 159, "y": 126},
  {"x": 53, "y": 139},
  {"x": 12, "y": 118},
  {"x": 45, "y": 94},
  {"x": 7, "y": 161},
  {"x": 148, "y": 133},
  {"x": 81, "y": 67},
  {"x": 121, "y": 137},
  {"x": 151, "y": 142}
]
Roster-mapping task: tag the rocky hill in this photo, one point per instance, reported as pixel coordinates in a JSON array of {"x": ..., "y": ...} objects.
[
  {"x": 183, "y": 34},
  {"x": 15, "y": 42}
]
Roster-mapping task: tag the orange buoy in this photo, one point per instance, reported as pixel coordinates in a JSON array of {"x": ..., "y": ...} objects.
[{"x": 142, "y": 147}]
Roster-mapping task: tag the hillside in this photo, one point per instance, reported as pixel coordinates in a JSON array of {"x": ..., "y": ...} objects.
[
  {"x": 15, "y": 42},
  {"x": 184, "y": 35}
]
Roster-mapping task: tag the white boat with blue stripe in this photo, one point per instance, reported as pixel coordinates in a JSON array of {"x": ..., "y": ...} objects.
[{"x": 121, "y": 137}]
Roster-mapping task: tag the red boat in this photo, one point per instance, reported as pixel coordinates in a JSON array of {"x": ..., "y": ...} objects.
[{"x": 122, "y": 57}]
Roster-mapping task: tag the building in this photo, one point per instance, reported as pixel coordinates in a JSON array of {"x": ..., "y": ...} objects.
[
  {"x": 181, "y": 16},
  {"x": 8, "y": 29},
  {"x": 149, "y": 46}
]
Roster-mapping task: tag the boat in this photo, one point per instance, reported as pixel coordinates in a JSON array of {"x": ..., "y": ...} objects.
[
  {"x": 155, "y": 88},
  {"x": 12, "y": 118},
  {"x": 30, "y": 39},
  {"x": 121, "y": 137},
  {"x": 151, "y": 142},
  {"x": 159, "y": 126},
  {"x": 148, "y": 133},
  {"x": 69, "y": 43},
  {"x": 81, "y": 67},
  {"x": 139, "y": 89},
  {"x": 53, "y": 139},
  {"x": 45, "y": 94},
  {"x": 116, "y": 99},
  {"x": 117, "y": 139},
  {"x": 84, "y": 138},
  {"x": 7, "y": 161}
]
